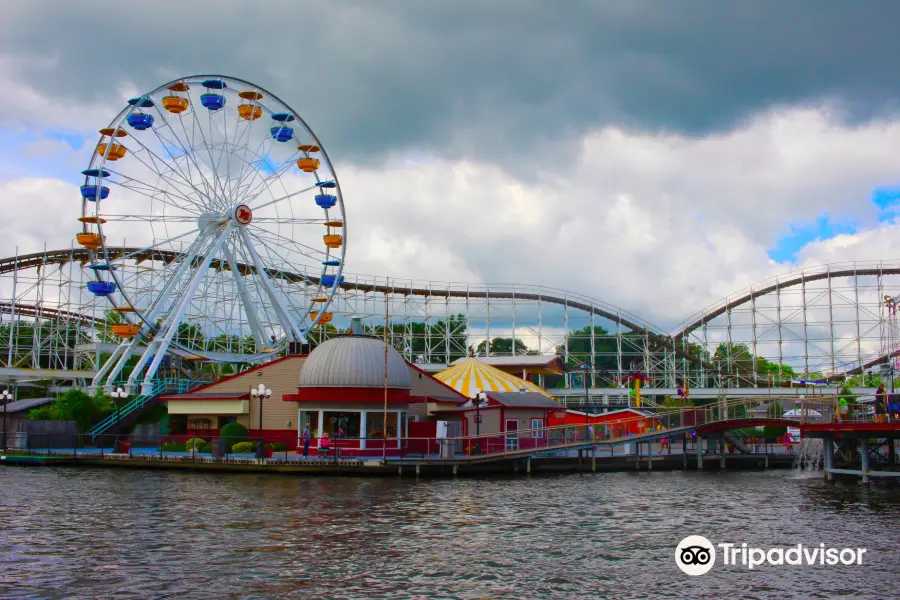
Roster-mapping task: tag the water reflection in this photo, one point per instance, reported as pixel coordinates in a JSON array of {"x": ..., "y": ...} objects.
[{"x": 98, "y": 533}]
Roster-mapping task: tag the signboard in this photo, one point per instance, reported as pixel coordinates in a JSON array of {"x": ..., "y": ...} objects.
[
  {"x": 585, "y": 366},
  {"x": 478, "y": 418}
]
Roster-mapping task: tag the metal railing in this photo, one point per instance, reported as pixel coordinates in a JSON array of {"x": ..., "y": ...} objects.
[{"x": 158, "y": 386}]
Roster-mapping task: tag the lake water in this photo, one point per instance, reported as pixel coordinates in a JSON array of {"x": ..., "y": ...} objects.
[{"x": 86, "y": 533}]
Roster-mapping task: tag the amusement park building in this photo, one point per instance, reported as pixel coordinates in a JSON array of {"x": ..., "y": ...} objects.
[{"x": 339, "y": 388}]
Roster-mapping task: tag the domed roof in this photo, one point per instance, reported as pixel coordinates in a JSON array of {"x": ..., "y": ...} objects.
[{"x": 353, "y": 361}]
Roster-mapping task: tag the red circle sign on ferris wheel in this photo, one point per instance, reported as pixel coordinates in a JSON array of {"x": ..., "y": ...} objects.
[{"x": 243, "y": 214}]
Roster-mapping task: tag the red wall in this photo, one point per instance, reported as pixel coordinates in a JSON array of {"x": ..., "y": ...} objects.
[{"x": 617, "y": 423}]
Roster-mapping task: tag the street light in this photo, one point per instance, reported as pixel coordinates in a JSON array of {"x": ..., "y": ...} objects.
[
  {"x": 261, "y": 393},
  {"x": 480, "y": 397},
  {"x": 117, "y": 395},
  {"x": 7, "y": 397}
]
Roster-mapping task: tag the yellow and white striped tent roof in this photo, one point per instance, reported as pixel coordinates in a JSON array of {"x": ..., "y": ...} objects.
[{"x": 471, "y": 375}]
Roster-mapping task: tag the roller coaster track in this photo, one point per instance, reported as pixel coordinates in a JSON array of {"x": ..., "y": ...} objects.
[
  {"x": 657, "y": 339},
  {"x": 789, "y": 281}
]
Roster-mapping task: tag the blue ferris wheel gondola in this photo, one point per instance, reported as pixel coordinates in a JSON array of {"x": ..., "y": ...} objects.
[
  {"x": 326, "y": 200},
  {"x": 143, "y": 102},
  {"x": 102, "y": 267},
  {"x": 140, "y": 121},
  {"x": 89, "y": 192},
  {"x": 214, "y": 84},
  {"x": 332, "y": 280},
  {"x": 212, "y": 101},
  {"x": 281, "y": 133},
  {"x": 327, "y": 184},
  {"x": 332, "y": 262},
  {"x": 283, "y": 117},
  {"x": 101, "y": 288},
  {"x": 95, "y": 173}
]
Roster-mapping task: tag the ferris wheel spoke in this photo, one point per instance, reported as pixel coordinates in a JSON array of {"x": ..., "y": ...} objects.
[
  {"x": 259, "y": 158},
  {"x": 263, "y": 185},
  {"x": 238, "y": 144},
  {"x": 196, "y": 128},
  {"x": 277, "y": 200},
  {"x": 174, "y": 189},
  {"x": 278, "y": 239},
  {"x": 167, "y": 143},
  {"x": 190, "y": 155},
  {"x": 153, "y": 193},
  {"x": 156, "y": 171},
  {"x": 157, "y": 245}
]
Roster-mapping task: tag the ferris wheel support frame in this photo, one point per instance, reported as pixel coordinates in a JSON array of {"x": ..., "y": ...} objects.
[
  {"x": 252, "y": 318},
  {"x": 163, "y": 337},
  {"x": 127, "y": 347},
  {"x": 291, "y": 329}
]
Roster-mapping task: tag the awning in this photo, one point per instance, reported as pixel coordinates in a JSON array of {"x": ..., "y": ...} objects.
[
  {"x": 472, "y": 375},
  {"x": 208, "y": 407}
]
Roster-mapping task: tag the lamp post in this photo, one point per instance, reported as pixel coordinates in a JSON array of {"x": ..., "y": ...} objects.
[
  {"x": 7, "y": 397},
  {"x": 480, "y": 397},
  {"x": 261, "y": 393}
]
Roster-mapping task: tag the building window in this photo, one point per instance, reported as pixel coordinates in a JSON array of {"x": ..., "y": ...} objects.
[
  {"x": 340, "y": 422},
  {"x": 311, "y": 417},
  {"x": 537, "y": 426},
  {"x": 374, "y": 424}
]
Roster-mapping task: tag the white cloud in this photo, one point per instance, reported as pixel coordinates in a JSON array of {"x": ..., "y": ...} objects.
[{"x": 661, "y": 225}]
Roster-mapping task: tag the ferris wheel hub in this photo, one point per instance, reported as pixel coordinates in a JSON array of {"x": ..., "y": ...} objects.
[{"x": 242, "y": 214}]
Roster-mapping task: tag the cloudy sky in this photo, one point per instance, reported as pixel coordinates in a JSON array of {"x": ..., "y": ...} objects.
[{"x": 656, "y": 155}]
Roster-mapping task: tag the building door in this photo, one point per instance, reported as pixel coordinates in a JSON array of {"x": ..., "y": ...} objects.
[{"x": 512, "y": 434}]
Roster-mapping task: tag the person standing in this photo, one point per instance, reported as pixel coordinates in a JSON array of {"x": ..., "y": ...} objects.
[
  {"x": 880, "y": 403},
  {"x": 307, "y": 436}
]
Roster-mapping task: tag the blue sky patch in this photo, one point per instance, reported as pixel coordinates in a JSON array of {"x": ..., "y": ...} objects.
[
  {"x": 888, "y": 202},
  {"x": 787, "y": 246}
]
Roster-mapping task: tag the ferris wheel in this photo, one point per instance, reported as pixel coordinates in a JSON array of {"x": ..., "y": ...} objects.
[{"x": 215, "y": 226}]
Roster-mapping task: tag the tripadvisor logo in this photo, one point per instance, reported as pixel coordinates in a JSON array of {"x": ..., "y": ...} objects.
[{"x": 696, "y": 555}]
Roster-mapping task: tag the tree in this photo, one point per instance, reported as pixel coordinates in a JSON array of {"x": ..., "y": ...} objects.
[
  {"x": 578, "y": 343},
  {"x": 504, "y": 347},
  {"x": 75, "y": 405}
]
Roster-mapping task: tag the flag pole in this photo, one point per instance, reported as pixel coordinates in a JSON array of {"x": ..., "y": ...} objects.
[{"x": 384, "y": 415}]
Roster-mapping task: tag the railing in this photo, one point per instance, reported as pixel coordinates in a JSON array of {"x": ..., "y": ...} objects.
[
  {"x": 158, "y": 386},
  {"x": 669, "y": 423}
]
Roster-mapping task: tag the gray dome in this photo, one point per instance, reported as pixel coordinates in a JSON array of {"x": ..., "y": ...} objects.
[{"x": 353, "y": 361}]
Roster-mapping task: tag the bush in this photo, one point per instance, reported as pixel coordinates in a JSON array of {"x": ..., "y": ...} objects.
[
  {"x": 773, "y": 432},
  {"x": 277, "y": 446},
  {"x": 244, "y": 447},
  {"x": 174, "y": 447},
  {"x": 195, "y": 444},
  {"x": 234, "y": 434}
]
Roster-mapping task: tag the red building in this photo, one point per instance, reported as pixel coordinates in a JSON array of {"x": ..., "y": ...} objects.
[
  {"x": 616, "y": 423},
  {"x": 514, "y": 420},
  {"x": 338, "y": 389}
]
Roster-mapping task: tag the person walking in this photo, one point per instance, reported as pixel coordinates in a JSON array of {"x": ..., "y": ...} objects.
[{"x": 307, "y": 437}]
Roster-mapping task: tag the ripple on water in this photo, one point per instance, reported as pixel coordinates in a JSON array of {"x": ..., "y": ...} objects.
[{"x": 98, "y": 533}]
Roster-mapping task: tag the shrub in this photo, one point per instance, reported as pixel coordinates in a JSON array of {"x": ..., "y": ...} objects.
[
  {"x": 195, "y": 444},
  {"x": 277, "y": 446},
  {"x": 234, "y": 434},
  {"x": 174, "y": 447},
  {"x": 772, "y": 432},
  {"x": 244, "y": 447}
]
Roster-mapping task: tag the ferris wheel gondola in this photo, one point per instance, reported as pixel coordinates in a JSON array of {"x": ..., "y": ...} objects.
[{"x": 206, "y": 207}]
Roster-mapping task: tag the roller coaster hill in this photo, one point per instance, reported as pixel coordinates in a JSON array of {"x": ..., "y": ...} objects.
[{"x": 834, "y": 325}]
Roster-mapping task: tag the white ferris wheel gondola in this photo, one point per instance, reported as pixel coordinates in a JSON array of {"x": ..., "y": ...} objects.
[{"x": 230, "y": 221}]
